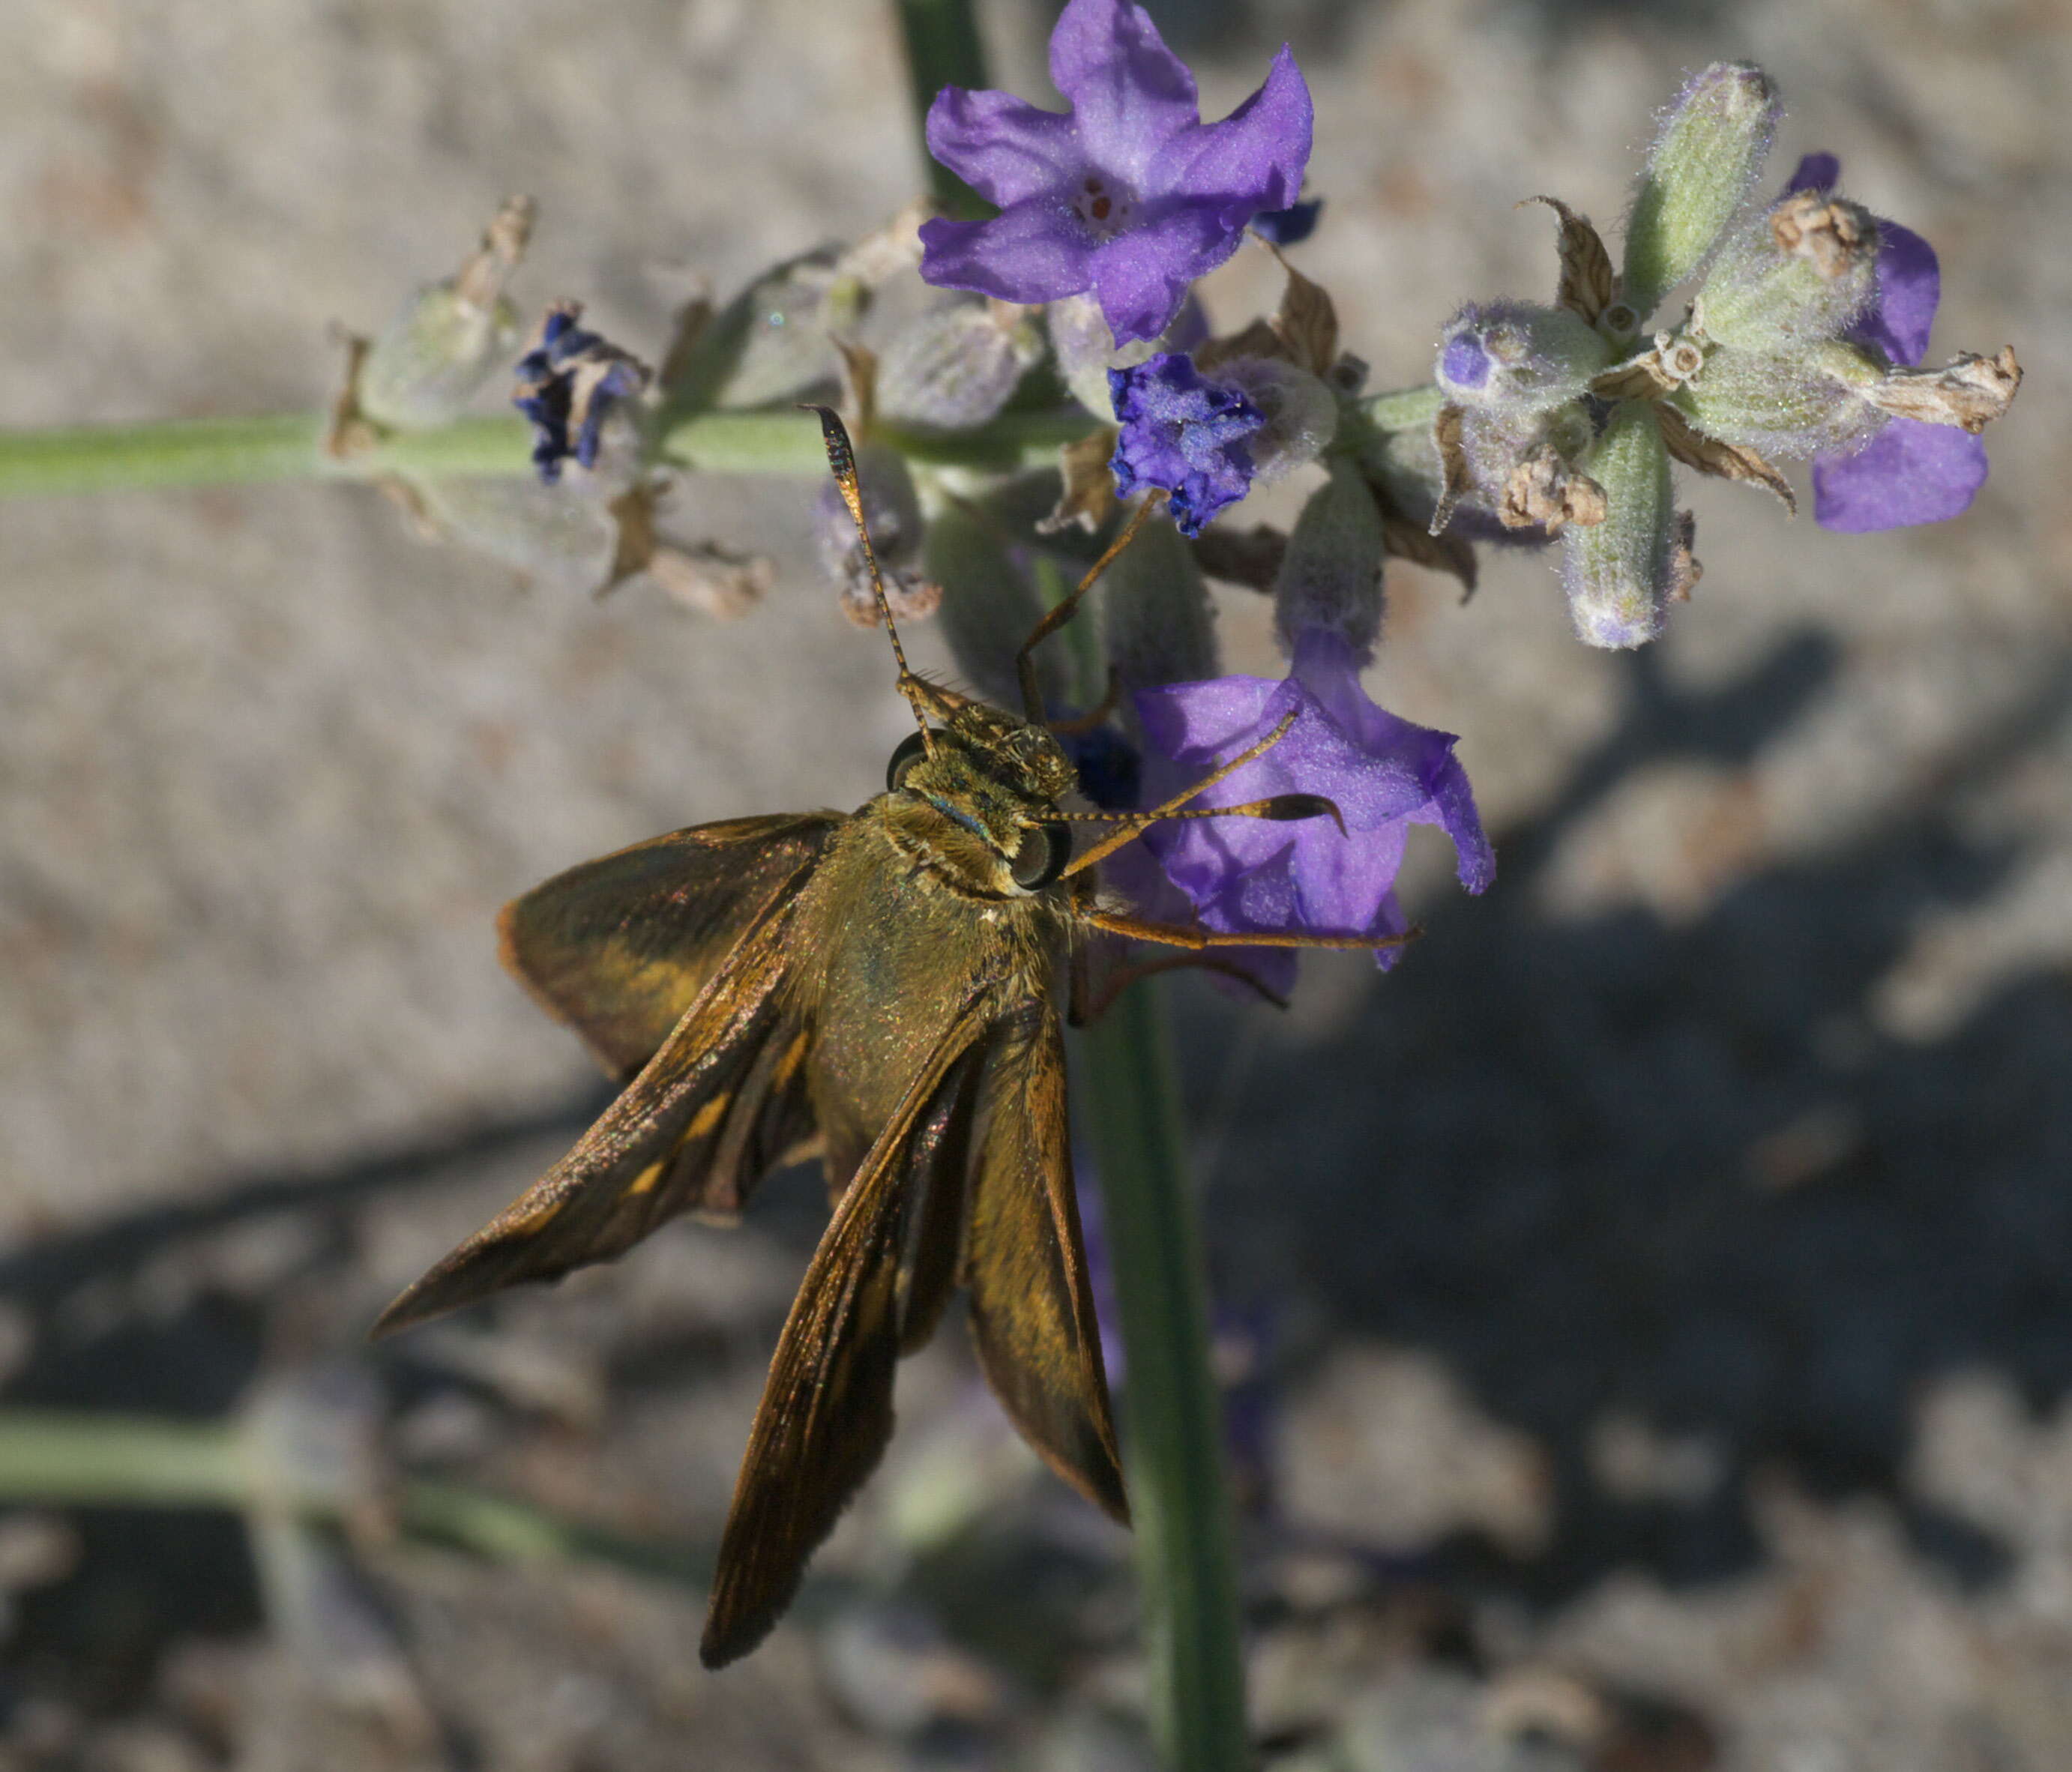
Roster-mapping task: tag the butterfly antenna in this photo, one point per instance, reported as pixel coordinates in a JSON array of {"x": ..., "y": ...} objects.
[
  {"x": 841, "y": 460},
  {"x": 1279, "y": 809}
]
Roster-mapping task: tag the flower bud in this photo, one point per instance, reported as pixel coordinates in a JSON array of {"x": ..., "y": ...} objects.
[
  {"x": 1800, "y": 272},
  {"x": 1714, "y": 137},
  {"x": 1156, "y": 620},
  {"x": 989, "y": 608},
  {"x": 1516, "y": 356},
  {"x": 1782, "y": 404},
  {"x": 1086, "y": 350},
  {"x": 1330, "y": 576},
  {"x": 957, "y": 365},
  {"x": 770, "y": 342},
  {"x": 561, "y": 536},
  {"x": 1508, "y": 475},
  {"x": 449, "y": 337},
  {"x": 1622, "y": 574},
  {"x": 1301, "y": 413}
]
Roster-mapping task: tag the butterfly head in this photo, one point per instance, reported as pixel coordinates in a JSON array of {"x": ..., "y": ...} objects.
[{"x": 976, "y": 800}]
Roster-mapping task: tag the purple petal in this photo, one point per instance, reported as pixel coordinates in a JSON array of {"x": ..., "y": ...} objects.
[
  {"x": 1032, "y": 251},
  {"x": 1004, "y": 149},
  {"x": 1474, "y": 861},
  {"x": 1909, "y": 473},
  {"x": 1910, "y": 283},
  {"x": 1191, "y": 722},
  {"x": 1327, "y": 666},
  {"x": 1142, "y": 276},
  {"x": 1189, "y": 329},
  {"x": 1463, "y": 363},
  {"x": 1383, "y": 773},
  {"x": 1251, "y": 161},
  {"x": 1289, "y": 227},
  {"x": 1184, "y": 434},
  {"x": 1130, "y": 93},
  {"x": 1816, "y": 172}
]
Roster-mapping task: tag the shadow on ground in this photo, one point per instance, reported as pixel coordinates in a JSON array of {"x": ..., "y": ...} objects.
[{"x": 1611, "y": 1164}]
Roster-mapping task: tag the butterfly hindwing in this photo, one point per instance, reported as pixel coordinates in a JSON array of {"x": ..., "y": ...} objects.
[
  {"x": 723, "y": 1094},
  {"x": 826, "y": 1411},
  {"x": 1032, "y": 1308},
  {"x": 620, "y": 947}
]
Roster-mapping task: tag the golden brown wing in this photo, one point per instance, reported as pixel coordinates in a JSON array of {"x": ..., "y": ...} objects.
[
  {"x": 715, "y": 1106},
  {"x": 826, "y": 1409},
  {"x": 619, "y": 948},
  {"x": 1032, "y": 1308}
]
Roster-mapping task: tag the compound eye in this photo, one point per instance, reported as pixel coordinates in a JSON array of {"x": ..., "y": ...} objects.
[
  {"x": 912, "y": 748},
  {"x": 1041, "y": 858}
]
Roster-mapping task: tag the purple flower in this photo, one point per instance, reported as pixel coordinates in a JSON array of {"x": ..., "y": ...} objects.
[
  {"x": 1110, "y": 771},
  {"x": 1128, "y": 194},
  {"x": 1183, "y": 434},
  {"x": 1909, "y": 471},
  {"x": 1383, "y": 774},
  {"x": 569, "y": 381},
  {"x": 1463, "y": 363},
  {"x": 1289, "y": 227}
]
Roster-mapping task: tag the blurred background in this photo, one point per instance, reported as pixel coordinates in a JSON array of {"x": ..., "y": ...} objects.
[{"x": 1649, "y": 1309}]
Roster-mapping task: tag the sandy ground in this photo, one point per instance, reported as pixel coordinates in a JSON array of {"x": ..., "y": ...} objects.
[{"x": 1666, "y": 1274}]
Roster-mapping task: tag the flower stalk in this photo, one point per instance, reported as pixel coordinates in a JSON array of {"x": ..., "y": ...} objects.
[
  {"x": 197, "y": 452},
  {"x": 1172, "y": 1426}
]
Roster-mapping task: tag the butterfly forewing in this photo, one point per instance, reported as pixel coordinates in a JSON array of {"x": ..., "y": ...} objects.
[
  {"x": 1032, "y": 1309},
  {"x": 725, "y": 1091},
  {"x": 619, "y": 948}
]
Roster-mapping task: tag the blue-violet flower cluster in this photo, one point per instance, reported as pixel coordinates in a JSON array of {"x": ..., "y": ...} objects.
[
  {"x": 567, "y": 383},
  {"x": 1183, "y": 434}
]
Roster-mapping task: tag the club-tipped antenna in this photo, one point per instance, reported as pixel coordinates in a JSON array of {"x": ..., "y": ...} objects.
[
  {"x": 841, "y": 461},
  {"x": 1130, "y": 826}
]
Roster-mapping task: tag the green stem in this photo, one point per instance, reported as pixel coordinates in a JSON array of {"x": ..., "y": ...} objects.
[
  {"x": 286, "y": 447},
  {"x": 74, "y": 1458},
  {"x": 170, "y": 452},
  {"x": 1173, "y": 1416},
  {"x": 943, "y": 49},
  {"x": 1408, "y": 408},
  {"x": 66, "y": 1455}
]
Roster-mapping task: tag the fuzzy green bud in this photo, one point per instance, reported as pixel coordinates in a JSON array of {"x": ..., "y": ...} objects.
[
  {"x": 955, "y": 366},
  {"x": 560, "y": 536},
  {"x": 1330, "y": 576},
  {"x": 988, "y": 609},
  {"x": 1086, "y": 350},
  {"x": 1714, "y": 137},
  {"x": 770, "y": 342},
  {"x": 1518, "y": 356},
  {"x": 1156, "y": 620},
  {"x": 1390, "y": 436},
  {"x": 1800, "y": 272},
  {"x": 1621, "y": 574},
  {"x": 1301, "y": 413},
  {"x": 449, "y": 337},
  {"x": 1781, "y": 405}
]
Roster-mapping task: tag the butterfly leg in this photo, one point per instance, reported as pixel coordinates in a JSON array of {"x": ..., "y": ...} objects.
[
  {"x": 1086, "y": 722},
  {"x": 1062, "y": 611},
  {"x": 1193, "y": 936},
  {"x": 1091, "y": 1000}
]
